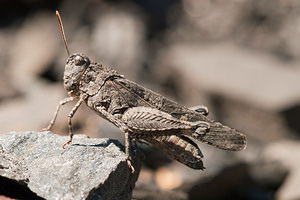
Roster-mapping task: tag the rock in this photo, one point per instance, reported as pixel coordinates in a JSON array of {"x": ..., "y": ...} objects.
[
  {"x": 232, "y": 76},
  {"x": 289, "y": 189},
  {"x": 33, "y": 50},
  {"x": 152, "y": 193},
  {"x": 226, "y": 185},
  {"x": 268, "y": 174},
  {"x": 287, "y": 153},
  {"x": 116, "y": 30},
  {"x": 41, "y": 100},
  {"x": 6, "y": 86},
  {"x": 90, "y": 168}
]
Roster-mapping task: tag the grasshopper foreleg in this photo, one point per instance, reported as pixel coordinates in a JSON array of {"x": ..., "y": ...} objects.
[
  {"x": 61, "y": 103},
  {"x": 71, "y": 114}
]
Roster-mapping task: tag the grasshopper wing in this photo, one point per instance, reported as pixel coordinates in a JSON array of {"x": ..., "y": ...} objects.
[
  {"x": 218, "y": 135},
  {"x": 223, "y": 137}
]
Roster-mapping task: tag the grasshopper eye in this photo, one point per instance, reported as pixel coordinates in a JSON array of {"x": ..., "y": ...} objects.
[{"x": 79, "y": 60}]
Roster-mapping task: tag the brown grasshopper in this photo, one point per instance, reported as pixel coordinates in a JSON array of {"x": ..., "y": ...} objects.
[{"x": 142, "y": 114}]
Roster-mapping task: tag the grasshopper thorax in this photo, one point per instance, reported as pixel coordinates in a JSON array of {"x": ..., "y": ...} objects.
[{"x": 75, "y": 69}]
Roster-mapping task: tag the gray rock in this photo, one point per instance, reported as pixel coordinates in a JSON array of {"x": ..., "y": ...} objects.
[{"x": 90, "y": 168}]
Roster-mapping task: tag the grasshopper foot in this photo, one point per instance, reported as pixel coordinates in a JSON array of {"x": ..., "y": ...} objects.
[
  {"x": 70, "y": 140},
  {"x": 130, "y": 166},
  {"x": 46, "y": 129}
]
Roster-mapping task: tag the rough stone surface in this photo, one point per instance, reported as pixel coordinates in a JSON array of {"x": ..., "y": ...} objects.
[{"x": 90, "y": 168}]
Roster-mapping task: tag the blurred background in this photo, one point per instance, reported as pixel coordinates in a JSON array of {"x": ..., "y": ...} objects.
[{"x": 240, "y": 58}]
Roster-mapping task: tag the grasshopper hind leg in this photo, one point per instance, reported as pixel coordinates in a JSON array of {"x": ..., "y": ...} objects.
[{"x": 127, "y": 151}]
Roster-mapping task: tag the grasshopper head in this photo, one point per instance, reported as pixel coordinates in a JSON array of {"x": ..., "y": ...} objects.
[{"x": 74, "y": 72}]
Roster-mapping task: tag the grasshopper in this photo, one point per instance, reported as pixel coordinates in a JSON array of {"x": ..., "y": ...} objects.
[{"x": 141, "y": 114}]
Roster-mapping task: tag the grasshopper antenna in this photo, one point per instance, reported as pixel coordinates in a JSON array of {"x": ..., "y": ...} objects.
[{"x": 62, "y": 32}]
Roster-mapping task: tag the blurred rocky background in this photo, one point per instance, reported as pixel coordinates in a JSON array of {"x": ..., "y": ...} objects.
[{"x": 240, "y": 58}]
